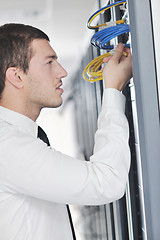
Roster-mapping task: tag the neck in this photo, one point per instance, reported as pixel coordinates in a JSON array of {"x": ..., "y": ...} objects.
[
  {"x": 32, "y": 115},
  {"x": 20, "y": 106}
]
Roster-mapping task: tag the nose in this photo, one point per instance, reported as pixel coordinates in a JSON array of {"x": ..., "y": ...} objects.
[
  {"x": 65, "y": 73},
  {"x": 62, "y": 72}
]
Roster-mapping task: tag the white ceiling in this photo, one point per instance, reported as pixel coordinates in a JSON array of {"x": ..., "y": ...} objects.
[{"x": 63, "y": 20}]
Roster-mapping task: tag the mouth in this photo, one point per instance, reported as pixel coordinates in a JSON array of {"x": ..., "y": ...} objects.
[{"x": 59, "y": 89}]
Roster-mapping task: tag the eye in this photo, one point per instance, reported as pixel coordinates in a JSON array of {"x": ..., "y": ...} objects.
[{"x": 50, "y": 62}]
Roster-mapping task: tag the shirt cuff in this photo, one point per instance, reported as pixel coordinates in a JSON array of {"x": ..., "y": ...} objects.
[{"x": 112, "y": 98}]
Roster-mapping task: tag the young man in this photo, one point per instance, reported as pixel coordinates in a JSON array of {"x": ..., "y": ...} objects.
[{"x": 36, "y": 181}]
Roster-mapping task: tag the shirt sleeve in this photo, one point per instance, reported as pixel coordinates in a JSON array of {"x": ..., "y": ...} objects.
[{"x": 30, "y": 167}]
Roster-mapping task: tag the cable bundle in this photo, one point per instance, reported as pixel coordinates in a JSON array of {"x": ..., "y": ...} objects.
[
  {"x": 93, "y": 69},
  {"x": 100, "y": 39}
]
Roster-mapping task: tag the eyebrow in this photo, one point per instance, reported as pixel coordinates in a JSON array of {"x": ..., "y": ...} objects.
[{"x": 51, "y": 56}]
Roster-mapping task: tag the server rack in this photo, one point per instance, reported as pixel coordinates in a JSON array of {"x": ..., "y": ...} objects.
[
  {"x": 135, "y": 216},
  {"x": 147, "y": 98}
]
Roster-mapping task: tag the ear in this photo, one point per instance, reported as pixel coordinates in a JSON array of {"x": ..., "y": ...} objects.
[{"x": 13, "y": 77}]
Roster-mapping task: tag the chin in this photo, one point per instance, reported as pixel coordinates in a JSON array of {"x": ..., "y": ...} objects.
[
  {"x": 56, "y": 105},
  {"x": 53, "y": 103}
]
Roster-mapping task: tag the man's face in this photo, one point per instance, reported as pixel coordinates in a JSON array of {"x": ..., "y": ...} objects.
[{"x": 43, "y": 79}]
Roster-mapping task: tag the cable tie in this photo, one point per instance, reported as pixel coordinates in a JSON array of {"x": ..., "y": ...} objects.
[
  {"x": 108, "y": 24},
  {"x": 122, "y": 7}
]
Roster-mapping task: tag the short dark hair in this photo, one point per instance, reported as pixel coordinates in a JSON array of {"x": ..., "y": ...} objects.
[{"x": 15, "y": 47}]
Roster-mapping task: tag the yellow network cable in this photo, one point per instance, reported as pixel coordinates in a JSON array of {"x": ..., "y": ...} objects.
[
  {"x": 93, "y": 68},
  {"x": 102, "y": 10}
]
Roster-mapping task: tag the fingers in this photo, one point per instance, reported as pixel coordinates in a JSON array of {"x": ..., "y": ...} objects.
[
  {"x": 118, "y": 53},
  {"x": 128, "y": 51},
  {"x": 106, "y": 60},
  {"x": 102, "y": 69}
]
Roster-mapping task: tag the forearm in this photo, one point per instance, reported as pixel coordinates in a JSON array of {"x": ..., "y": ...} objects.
[{"x": 111, "y": 152}]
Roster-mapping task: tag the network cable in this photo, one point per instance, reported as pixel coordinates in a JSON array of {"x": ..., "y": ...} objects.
[
  {"x": 102, "y": 10},
  {"x": 111, "y": 47},
  {"x": 100, "y": 38},
  {"x": 93, "y": 69}
]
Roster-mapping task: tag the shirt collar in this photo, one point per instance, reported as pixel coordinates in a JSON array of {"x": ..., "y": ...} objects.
[{"x": 21, "y": 121}]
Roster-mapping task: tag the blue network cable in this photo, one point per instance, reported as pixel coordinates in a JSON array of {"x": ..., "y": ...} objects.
[
  {"x": 111, "y": 47},
  {"x": 102, "y": 10},
  {"x": 103, "y": 36}
]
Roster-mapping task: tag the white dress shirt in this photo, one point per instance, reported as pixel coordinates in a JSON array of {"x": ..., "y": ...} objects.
[{"x": 36, "y": 181}]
